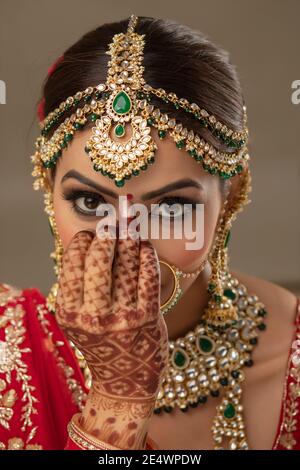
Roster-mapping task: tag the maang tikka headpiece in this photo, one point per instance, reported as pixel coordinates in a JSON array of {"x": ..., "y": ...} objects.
[{"x": 121, "y": 144}]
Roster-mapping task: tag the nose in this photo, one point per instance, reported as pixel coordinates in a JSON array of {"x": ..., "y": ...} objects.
[{"x": 125, "y": 224}]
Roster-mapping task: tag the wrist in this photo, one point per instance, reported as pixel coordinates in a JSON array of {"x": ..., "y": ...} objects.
[
  {"x": 84, "y": 441},
  {"x": 80, "y": 440},
  {"x": 120, "y": 423}
]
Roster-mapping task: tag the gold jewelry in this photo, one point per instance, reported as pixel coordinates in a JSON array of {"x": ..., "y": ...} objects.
[
  {"x": 57, "y": 254},
  {"x": 220, "y": 311},
  {"x": 208, "y": 362},
  {"x": 125, "y": 100},
  {"x": 177, "y": 291},
  {"x": 84, "y": 440}
]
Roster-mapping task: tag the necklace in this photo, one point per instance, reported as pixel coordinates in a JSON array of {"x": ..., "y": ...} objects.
[{"x": 209, "y": 360}]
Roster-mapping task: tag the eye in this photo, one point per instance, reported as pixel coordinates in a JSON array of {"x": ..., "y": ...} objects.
[
  {"x": 174, "y": 207},
  {"x": 84, "y": 202}
]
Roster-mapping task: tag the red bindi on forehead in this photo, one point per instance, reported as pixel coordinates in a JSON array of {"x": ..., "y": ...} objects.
[{"x": 129, "y": 196}]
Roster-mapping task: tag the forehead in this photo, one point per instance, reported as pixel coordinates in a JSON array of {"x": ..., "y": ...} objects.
[{"x": 170, "y": 164}]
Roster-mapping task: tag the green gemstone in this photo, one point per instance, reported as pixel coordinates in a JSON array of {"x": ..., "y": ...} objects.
[
  {"x": 239, "y": 168},
  {"x": 136, "y": 172},
  {"x": 205, "y": 344},
  {"x": 48, "y": 164},
  {"x": 180, "y": 144},
  {"x": 203, "y": 122},
  {"x": 211, "y": 287},
  {"x": 68, "y": 137},
  {"x": 121, "y": 103},
  {"x": 162, "y": 134},
  {"x": 262, "y": 312},
  {"x": 224, "y": 175},
  {"x": 180, "y": 358},
  {"x": 78, "y": 125},
  {"x": 120, "y": 183},
  {"x": 93, "y": 117},
  {"x": 228, "y": 235},
  {"x": 119, "y": 130},
  {"x": 229, "y": 411},
  {"x": 230, "y": 294},
  {"x": 150, "y": 121},
  {"x": 217, "y": 298}
]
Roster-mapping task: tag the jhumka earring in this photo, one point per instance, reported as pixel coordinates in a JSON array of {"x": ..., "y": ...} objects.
[
  {"x": 57, "y": 254},
  {"x": 220, "y": 311}
]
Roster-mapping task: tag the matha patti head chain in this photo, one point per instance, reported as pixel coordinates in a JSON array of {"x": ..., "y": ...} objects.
[{"x": 121, "y": 146}]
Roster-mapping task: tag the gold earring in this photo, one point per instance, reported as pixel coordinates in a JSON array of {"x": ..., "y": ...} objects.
[
  {"x": 220, "y": 311},
  {"x": 57, "y": 254},
  {"x": 177, "y": 291}
]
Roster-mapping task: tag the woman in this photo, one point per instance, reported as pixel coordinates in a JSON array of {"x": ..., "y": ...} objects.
[{"x": 143, "y": 342}]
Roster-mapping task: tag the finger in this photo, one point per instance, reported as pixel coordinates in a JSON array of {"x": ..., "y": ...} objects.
[
  {"x": 70, "y": 286},
  {"x": 97, "y": 276},
  {"x": 125, "y": 274},
  {"x": 149, "y": 281}
]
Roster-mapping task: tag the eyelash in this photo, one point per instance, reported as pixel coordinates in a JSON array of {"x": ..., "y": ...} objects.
[{"x": 72, "y": 196}]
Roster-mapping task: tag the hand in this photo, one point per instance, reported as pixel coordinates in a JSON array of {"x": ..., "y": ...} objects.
[{"x": 110, "y": 309}]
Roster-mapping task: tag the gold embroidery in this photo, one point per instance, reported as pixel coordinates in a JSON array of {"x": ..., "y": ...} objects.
[
  {"x": 288, "y": 426},
  {"x": 7, "y": 401},
  {"x": 8, "y": 293},
  {"x": 12, "y": 320},
  {"x": 16, "y": 443},
  {"x": 78, "y": 394}
]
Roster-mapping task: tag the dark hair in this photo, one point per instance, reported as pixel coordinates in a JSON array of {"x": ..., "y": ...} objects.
[{"x": 176, "y": 58}]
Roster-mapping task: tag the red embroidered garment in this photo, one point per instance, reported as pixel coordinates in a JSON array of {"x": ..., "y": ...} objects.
[{"x": 42, "y": 386}]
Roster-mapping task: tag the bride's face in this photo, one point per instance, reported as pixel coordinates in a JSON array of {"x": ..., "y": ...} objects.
[{"x": 174, "y": 178}]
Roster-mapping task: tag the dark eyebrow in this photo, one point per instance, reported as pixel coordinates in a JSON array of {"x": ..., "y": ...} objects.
[
  {"x": 84, "y": 180},
  {"x": 183, "y": 183}
]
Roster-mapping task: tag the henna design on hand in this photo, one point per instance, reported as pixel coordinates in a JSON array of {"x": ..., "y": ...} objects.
[{"x": 108, "y": 304}]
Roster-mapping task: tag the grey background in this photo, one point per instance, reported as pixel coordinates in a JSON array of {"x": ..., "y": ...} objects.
[{"x": 263, "y": 40}]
